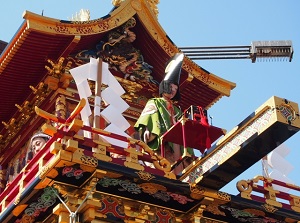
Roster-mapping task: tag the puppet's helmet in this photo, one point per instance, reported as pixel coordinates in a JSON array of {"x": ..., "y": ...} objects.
[
  {"x": 40, "y": 135},
  {"x": 172, "y": 76}
]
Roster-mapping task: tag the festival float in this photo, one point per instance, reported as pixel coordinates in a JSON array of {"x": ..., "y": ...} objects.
[{"x": 83, "y": 84}]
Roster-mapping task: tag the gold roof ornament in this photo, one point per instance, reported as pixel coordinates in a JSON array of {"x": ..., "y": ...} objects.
[
  {"x": 82, "y": 15},
  {"x": 153, "y": 5}
]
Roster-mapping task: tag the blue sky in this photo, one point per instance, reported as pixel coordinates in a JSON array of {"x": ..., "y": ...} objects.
[{"x": 211, "y": 23}]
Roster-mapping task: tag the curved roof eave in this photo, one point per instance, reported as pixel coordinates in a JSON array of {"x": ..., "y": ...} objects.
[
  {"x": 148, "y": 19},
  {"x": 215, "y": 83}
]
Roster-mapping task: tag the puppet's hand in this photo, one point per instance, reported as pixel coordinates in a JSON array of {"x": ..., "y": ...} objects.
[{"x": 148, "y": 136}]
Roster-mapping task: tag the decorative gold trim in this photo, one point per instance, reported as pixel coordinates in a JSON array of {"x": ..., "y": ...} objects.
[
  {"x": 54, "y": 26},
  {"x": 198, "y": 193},
  {"x": 269, "y": 208}
]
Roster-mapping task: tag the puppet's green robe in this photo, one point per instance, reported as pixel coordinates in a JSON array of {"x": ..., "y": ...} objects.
[{"x": 156, "y": 117}]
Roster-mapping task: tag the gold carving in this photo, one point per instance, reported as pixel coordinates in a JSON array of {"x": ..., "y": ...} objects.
[
  {"x": 11, "y": 125},
  {"x": 132, "y": 159},
  {"x": 152, "y": 188},
  {"x": 287, "y": 111},
  {"x": 58, "y": 72},
  {"x": 132, "y": 89},
  {"x": 153, "y": 4},
  {"x": 213, "y": 208},
  {"x": 269, "y": 208},
  {"x": 271, "y": 196},
  {"x": 117, "y": 3},
  {"x": 136, "y": 5},
  {"x": 61, "y": 107},
  {"x": 295, "y": 203},
  {"x": 197, "y": 192},
  {"x": 223, "y": 196},
  {"x": 26, "y": 109},
  {"x": 41, "y": 91},
  {"x": 92, "y": 161},
  {"x": 245, "y": 188},
  {"x": 145, "y": 175},
  {"x": 100, "y": 151},
  {"x": 268, "y": 192},
  {"x": 296, "y": 208},
  {"x": 59, "y": 68}
]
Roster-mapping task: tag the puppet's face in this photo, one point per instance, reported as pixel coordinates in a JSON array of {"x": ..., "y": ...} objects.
[
  {"x": 37, "y": 144},
  {"x": 173, "y": 88}
]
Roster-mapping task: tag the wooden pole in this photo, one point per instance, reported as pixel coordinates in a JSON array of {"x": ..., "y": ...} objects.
[{"x": 98, "y": 84}]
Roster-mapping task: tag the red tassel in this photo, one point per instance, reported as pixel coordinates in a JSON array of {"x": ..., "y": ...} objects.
[
  {"x": 203, "y": 118},
  {"x": 204, "y": 122}
]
